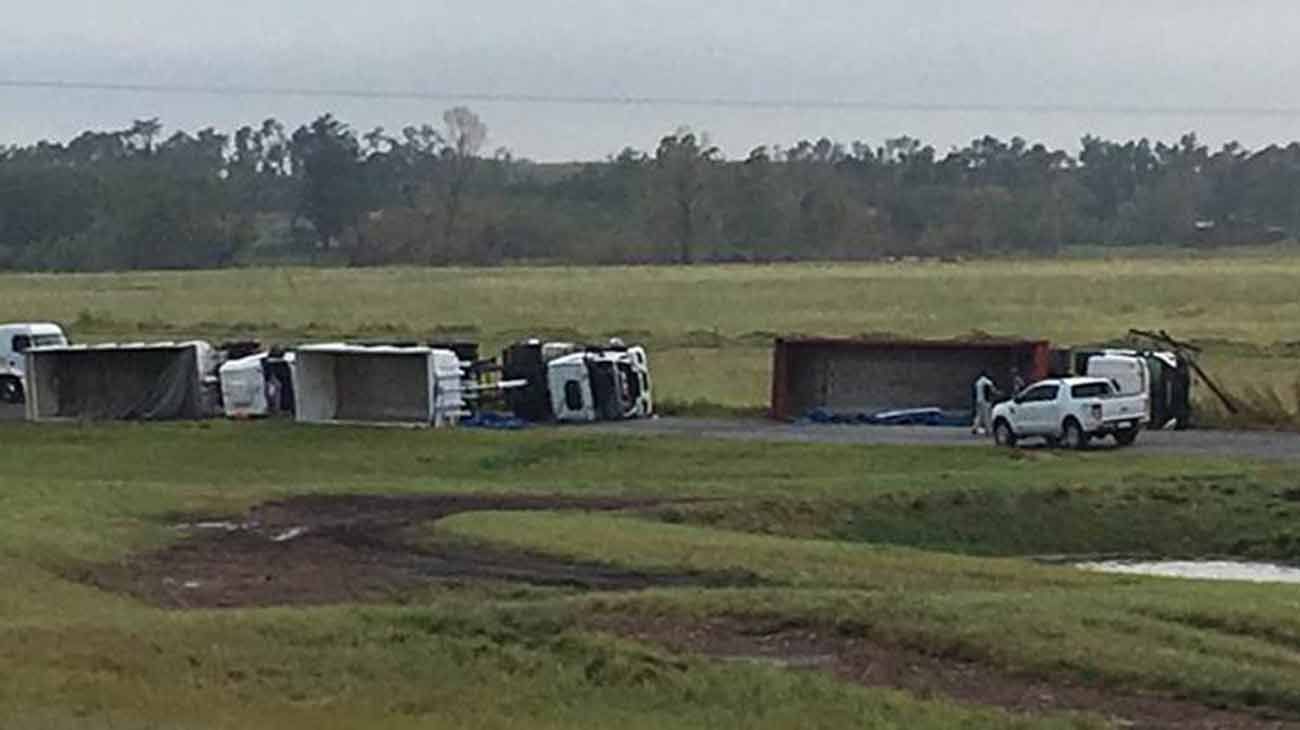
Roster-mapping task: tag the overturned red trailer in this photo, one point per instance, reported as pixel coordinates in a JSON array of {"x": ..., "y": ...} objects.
[{"x": 866, "y": 375}]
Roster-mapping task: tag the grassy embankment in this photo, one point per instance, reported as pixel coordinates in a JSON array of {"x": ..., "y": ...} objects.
[
  {"x": 75, "y": 657},
  {"x": 710, "y": 327}
]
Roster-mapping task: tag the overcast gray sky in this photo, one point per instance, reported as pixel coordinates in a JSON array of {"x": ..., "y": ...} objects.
[{"x": 1181, "y": 54}]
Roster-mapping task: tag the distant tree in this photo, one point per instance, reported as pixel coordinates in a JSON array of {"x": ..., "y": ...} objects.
[
  {"x": 136, "y": 197},
  {"x": 465, "y": 136},
  {"x": 334, "y": 194},
  {"x": 142, "y": 134},
  {"x": 40, "y": 204},
  {"x": 682, "y": 164},
  {"x": 172, "y": 222},
  {"x": 750, "y": 205}
]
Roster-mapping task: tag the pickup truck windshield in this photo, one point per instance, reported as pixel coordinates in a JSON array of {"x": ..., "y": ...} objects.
[{"x": 1091, "y": 390}]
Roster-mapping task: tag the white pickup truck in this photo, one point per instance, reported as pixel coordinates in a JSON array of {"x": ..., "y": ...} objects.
[{"x": 1070, "y": 411}]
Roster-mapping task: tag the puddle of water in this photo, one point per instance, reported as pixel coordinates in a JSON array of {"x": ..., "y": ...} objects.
[
  {"x": 809, "y": 661},
  {"x": 288, "y": 535},
  {"x": 1200, "y": 570},
  {"x": 226, "y": 526}
]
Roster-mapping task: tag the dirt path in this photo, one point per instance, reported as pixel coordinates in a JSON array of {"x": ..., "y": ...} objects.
[
  {"x": 1228, "y": 444},
  {"x": 326, "y": 549},
  {"x": 874, "y": 664}
]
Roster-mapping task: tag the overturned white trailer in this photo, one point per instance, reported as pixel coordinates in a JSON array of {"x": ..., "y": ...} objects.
[
  {"x": 141, "y": 381},
  {"x": 355, "y": 384}
]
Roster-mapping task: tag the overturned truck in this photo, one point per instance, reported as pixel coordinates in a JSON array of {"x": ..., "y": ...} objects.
[
  {"x": 154, "y": 381},
  {"x": 574, "y": 384}
]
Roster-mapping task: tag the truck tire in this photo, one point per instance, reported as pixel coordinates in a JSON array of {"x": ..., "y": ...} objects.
[
  {"x": 11, "y": 390},
  {"x": 1072, "y": 435},
  {"x": 1003, "y": 435},
  {"x": 1126, "y": 437}
]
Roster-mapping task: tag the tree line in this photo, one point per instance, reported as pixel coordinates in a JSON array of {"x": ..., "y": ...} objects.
[{"x": 434, "y": 195}]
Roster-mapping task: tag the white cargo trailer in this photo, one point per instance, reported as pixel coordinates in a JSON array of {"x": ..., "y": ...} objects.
[
  {"x": 145, "y": 381},
  {"x": 339, "y": 383}
]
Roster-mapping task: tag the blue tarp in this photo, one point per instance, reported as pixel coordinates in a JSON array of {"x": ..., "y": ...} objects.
[
  {"x": 496, "y": 421},
  {"x": 893, "y": 417}
]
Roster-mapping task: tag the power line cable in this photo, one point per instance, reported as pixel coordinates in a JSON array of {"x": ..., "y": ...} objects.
[{"x": 636, "y": 100}]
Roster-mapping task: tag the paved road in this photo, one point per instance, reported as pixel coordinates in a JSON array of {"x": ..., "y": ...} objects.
[{"x": 1234, "y": 444}]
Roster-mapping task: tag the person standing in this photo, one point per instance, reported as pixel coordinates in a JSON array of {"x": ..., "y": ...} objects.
[
  {"x": 985, "y": 393},
  {"x": 272, "y": 393}
]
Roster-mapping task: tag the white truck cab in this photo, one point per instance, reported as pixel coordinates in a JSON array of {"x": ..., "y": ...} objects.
[
  {"x": 600, "y": 385},
  {"x": 1071, "y": 411},
  {"x": 572, "y": 399},
  {"x": 257, "y": 385},
  {"x": 15, "y": 340}
]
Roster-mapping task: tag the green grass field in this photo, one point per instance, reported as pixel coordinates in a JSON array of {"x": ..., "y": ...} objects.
[
  {"x": 909, "y": 546},
  {"x": 912, "y": 547},
  {"x": 710, "y": 327}
]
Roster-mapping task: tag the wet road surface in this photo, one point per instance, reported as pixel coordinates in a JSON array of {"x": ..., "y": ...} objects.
[{"x": 1230, "y": 444}]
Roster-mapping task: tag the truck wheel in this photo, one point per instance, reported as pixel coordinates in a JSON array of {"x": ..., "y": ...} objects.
[
  {"x": 11, "y": 391},
  {"x": 1126, "y": 437},
  {"x": 1073, "y": 436},
  {"x": 1003, "y": 435}
]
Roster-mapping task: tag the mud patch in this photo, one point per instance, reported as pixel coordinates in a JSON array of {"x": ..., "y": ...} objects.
[
  {"x": 875, "y": 664},
  {"x": 321, "y": 550}
]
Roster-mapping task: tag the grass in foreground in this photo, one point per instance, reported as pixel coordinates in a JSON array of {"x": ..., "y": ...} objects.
[
  {"x": 1232, "y": 512},
  {"x": 441, "y": 667},
  {"x": 75, "y": 657},
  {"x": 1122, "y": 631}
]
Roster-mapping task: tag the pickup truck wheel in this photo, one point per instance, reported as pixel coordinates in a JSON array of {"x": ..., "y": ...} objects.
[
  {"x": 1126, "y": 437},
  {"x": 11, "y": 390},
  {"x": 1073, "y": 436},
  {"x": 1003, "y": 435}
]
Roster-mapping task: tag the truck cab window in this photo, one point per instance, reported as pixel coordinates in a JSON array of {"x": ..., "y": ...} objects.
[
  {"x": 21, "y": 343},
  {"x": 573, "y": 395},
  {"x": 631, "y": 382}
]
